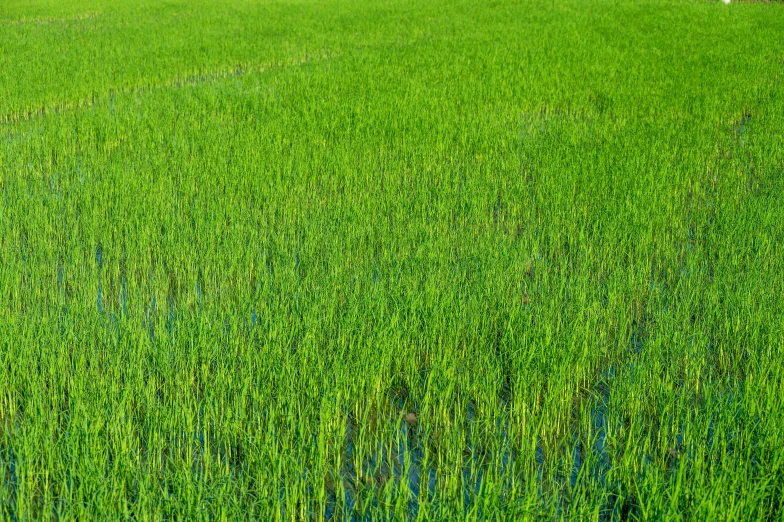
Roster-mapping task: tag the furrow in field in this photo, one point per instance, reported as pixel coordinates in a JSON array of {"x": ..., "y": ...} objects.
[
  {"x": 175, "y": 82},
  {"x": 54, "y": 20}
]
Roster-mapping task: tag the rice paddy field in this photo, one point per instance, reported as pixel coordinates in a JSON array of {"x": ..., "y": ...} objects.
[{"x": 294, "y": 260}]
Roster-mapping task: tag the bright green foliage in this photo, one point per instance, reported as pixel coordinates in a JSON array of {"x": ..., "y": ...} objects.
[{"x": 240, "y": 240}]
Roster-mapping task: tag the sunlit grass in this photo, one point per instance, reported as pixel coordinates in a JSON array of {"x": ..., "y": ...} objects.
[{"x": 307, "y": 260}]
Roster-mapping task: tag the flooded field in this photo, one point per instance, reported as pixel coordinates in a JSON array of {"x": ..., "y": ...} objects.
[{"x": 353, "y": 261}]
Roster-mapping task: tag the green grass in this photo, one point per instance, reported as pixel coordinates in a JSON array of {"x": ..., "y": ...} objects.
[{"x": 241, "y": 240}]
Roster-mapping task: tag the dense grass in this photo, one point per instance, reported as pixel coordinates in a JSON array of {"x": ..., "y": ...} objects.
[{"x": 240, "y": 242}]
